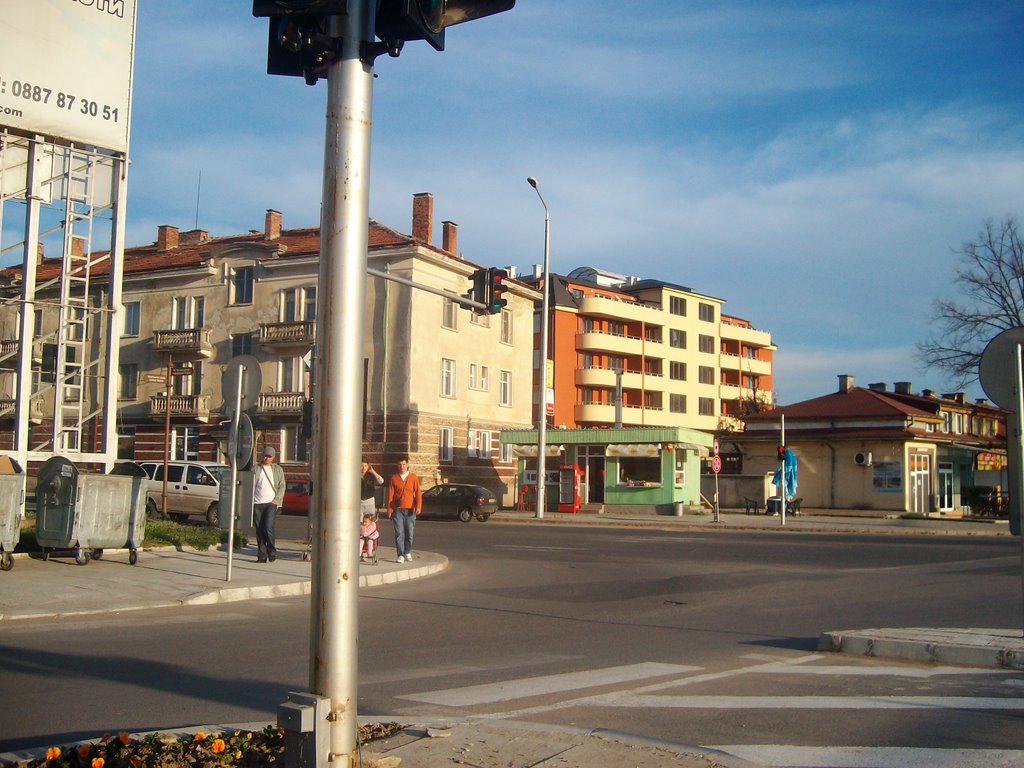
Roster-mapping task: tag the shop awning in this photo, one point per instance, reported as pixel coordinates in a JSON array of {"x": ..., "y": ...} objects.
[{"x": 530, "y": 451}]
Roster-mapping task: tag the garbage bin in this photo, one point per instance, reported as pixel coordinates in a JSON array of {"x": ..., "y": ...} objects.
[
  {"x": 137, "y": 515},
  {"x": 774, "y": 505},
  {"x": 12, "y": 506},
  {"x": 85, "y": 512}
]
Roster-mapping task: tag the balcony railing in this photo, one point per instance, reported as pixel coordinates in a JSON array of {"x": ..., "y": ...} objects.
[
  {"x": 289, "y": 404},
  {"x": 188, "y": 343},
  {"x": 8, "y": 409},
  {"x": 299, "y": 333},
  {"x": 193, "y": 406}
]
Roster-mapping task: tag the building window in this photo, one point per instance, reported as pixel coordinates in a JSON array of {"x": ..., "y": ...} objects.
[
  {"x": 291, "y": 375},
  {"x": 448, "y": 314},
  {"x": 480, "y": 444},
  {"x": 705, "y": 406},
  {"x": 505, "y": 388},
  {"x": 653, "y": 333},
  {"x": 706, "y": 343},
  {"x": 677, "y": 403},
  {"x": 506, "y": 326},
  {"x": 707, "y": 312},
  {"x": 445, "y": 445},
  {"x": 480, "y": 318},
  {"x": 132, "y": 318},
  {"x": 505, "y": 454},
  {"x": 125, "y": 442},
  {"x": 478, "y": 376},
  {"x": 185, "y": 444},
  {"x": 293, "y": 445},
  {"x": 447, "y": 377},
  {"x": 298, "y": 304},
  {"x": 189, "y": 313},
  {"x": 706, "y": 374},
  {"x": 242, "y": 344},
  {"x": 241, "y": 285},
  {"x": 128, "y": 381},
  {"x": 677, "y": 305},
  {"x": 677, "y": 338},
  {"x": 677, "y": 371}
]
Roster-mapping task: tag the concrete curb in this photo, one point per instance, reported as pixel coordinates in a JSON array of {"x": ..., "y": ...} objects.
[{"x": 965, "y": 647}]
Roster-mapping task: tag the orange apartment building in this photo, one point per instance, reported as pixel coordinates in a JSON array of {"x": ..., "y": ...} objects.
[{"x": 682, "y": 362}]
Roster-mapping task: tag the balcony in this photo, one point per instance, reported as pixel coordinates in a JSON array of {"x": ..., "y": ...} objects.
[
  {"x": 187, "y": 344},
  {"x": 8, "y": 410},
  {"x": 280, "y": 405},
  {"x": 751, "y": 336},
  {"x": 594, "y": 341},
  {"x": 605, "y": 378},
  {"x": 297, "y": 335},
  {"x": 600, "y": 413},
  {"x": 188, "y": 406},
  {"x": 749, "y": 365},
  {"x": 618, "y": 309}
]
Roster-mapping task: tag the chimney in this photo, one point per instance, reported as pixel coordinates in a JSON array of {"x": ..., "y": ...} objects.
[
  {"x": 927, "y": 393},
  {"x": 450, "y": 237},
  {"x": 980, "y": 401},
  {"x": 877, "y": 386},
  {"x": 959, "y": 397},
  {"x": 903, "y": 387},
  {"x": 166, "y": 237},
  {"x": 423, "y": 216},
  {"x": 845, "y": 382},
  {"x": 272, "y": 224},
  {"x": 40, "y": 253},
  {"x": 194, "y": 237}
]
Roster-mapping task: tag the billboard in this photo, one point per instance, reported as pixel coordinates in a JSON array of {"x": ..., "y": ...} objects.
[{"x": 66, "y": 69}]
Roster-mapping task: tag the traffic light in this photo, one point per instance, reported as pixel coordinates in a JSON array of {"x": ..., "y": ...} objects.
[
  {"x": 401, "y": 20},
  {"x": 781, "y": 452},
  {"x": 496, "y": 288},
  {"x": 480, "y": 284},
  {"x": 298, "y": 43}
]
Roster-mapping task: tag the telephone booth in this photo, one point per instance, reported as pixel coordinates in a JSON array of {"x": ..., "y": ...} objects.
[{"x": 569, "y": 477}]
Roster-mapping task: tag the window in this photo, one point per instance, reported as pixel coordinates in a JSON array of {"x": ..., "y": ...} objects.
[
  {"x": 615, "y": 328},
  {"x": 480, "y": 318},
  {"x": 505, "y": 454},
  {"x": 445, "y": 443},
  {"x": 125, "y": 442},
  {"x": 478, "y": 376},
  {"x": 293, "y": 445},
  {"x": 653, "y": 333},
  {"x": 706, "y": 374},
  {"x": 189, "y": 384},
  {"x": 706, "y": 343},
  {"x": 242, "y": 344},
  {"x": 480, "y": 444},
  {"x": 677, "y": 371},
  {"x": 241, "y": 285},
  {"x": 506, "y": 326},
  {"x": 185, "y": 442},
  {"x": 128, "y": 381},
  {"x": 677, "y": 338},
  {"x": 291, "y": 375},
  {"x": 707, "y": 312},
  {"x": 132, "y": 318},
  {"x": 505, "y": 388},
  {"x": 652, "y": 367},
  {"x": 705, "y": 406},
  {"x": 677, "y": 305},
  {"x": 447, "y": 377},
  {"x": 188, "y": 313},
  {"x": 448, "y": 314},
  {"x": 677, "y": 403},
  {"x": 298, "y": 304}
]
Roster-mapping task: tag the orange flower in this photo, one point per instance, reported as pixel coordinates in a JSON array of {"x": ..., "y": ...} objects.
[
  {"x": 124, "y": 738},
  {"x": 53, "y": 753},
  {"x": 83, "y": 750},
  {"x": 97, "y": 762},
  {"x": 217, "y": 746},
  {"x": 200, "y": 736}
]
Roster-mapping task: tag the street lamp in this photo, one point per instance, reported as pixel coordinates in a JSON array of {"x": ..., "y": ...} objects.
[{"x": 542, "y": 418}]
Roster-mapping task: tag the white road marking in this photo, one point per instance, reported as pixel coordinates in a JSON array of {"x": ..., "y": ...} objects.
[
  {"x": 872, "y": 757},
  {"x": 857, "y": 671},
  {"x": 807, "y": 702},
  {"x": 537, "y": 686}
]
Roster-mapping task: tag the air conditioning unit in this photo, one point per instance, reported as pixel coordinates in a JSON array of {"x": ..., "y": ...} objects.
[{"x": 862, "y": 459}]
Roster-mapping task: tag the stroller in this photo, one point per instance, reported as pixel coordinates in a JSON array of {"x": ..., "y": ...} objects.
[{"x": 369, "y": 535}]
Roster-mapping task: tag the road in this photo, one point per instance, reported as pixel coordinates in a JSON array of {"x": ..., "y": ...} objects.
[{"x": 703, "y": 637}]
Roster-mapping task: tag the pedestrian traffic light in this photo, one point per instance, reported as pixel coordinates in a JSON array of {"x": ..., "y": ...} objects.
[
  {"x": 496, "y": 290},
  {"x": 781, "y": 452},
  {"x": 401, "y": 20},
  {"x": 298, "y": 42}
]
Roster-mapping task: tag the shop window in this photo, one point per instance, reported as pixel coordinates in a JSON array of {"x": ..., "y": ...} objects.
[{"x": 640, "y": 470}]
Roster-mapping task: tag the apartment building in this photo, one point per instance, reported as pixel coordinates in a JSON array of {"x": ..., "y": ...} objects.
[
  {"x": 440, "y": 381},
  {"x": 676, "y": 358}
]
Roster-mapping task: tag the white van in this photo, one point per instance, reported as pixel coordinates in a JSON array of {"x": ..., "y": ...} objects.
[{"x": 193, "y": 489}]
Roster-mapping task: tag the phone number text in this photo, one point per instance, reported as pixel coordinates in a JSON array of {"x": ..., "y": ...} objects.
[{"x": 40, "y": 94}]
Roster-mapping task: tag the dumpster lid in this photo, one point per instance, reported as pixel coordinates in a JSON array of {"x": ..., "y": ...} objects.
[{"x": 8, "y": 466}]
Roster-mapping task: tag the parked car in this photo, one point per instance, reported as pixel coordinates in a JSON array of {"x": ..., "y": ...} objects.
[
  {"x": 296, "y": 498},
  {"x": 193, "y": 489},
  {"x": 458, "y": 501}
]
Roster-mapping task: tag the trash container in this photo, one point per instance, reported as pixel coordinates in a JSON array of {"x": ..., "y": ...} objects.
[
  {"x": 12, "y": 506},
  {"x": 774, "y": 505},
  {"x": 138, "y": 513},
  {"x": 86, "y": 512}
]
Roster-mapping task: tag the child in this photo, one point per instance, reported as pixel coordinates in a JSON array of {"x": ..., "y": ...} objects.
[{"x": 368, "y": 535}]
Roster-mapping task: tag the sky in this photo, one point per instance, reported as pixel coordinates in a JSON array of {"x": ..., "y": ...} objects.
[{"x": 814, "y": 164}]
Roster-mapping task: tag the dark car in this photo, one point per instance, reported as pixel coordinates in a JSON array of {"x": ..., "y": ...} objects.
[
  {"x": 456, "y": 501},
  {"x": 296, "y": 498}
]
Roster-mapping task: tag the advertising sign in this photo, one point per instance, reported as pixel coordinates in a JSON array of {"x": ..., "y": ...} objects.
[{"x": 66, "y": 68}]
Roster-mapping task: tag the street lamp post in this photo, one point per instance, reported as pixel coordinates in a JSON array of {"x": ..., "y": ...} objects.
[{"x": 542, "y": 417}]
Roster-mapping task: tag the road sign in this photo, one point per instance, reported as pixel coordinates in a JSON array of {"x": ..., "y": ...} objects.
[
  {"x": 154, "y": 378},
  {"x": 716, "y": 464},
  {"x": 996, "y": 370},
  {"x": 240, "y": 441},
  {"x": 248, "y": 368},
  {"x": 715, "y": 451},
  {"x": 182, "y": 370}
]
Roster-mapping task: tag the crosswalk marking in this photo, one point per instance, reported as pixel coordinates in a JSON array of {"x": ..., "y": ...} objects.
[
  {"x": 537, "y": 686},
  {"x": 871, "y": 757},
  {"x": 808, "y": 702},
  {"x": 854, "y": 671}
]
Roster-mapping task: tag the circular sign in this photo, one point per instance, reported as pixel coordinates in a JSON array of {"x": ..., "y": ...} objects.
[
  {"x": 247, "y": 369},
  {"x": 240, "y": 442},
  {"x": 715, "y": 451},
  {"x": 996, "y": 371},
  {"x": 716, "y": 464}
]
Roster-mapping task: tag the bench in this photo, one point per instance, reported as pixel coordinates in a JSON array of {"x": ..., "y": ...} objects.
[
  {"x": 793, "y": 507},
  {"x": 752, "y": 506}
]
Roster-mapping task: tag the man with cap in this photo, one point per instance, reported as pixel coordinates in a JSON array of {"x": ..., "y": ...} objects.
[{"x": 267, "y": 497}]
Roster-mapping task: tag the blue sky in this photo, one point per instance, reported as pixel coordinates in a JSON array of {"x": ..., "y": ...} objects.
[{"x": 813, "y": 163}]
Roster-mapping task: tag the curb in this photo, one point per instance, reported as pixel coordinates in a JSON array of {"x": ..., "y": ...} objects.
[{"x": 930, "y": 646}]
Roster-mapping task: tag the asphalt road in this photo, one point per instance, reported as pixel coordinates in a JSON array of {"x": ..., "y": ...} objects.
[{"x": 702, "y": 637}]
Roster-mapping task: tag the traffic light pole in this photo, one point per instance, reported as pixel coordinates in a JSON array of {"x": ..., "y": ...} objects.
[{"x": 337, "y": 418}]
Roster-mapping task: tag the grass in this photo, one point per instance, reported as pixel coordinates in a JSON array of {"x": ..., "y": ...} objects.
[{"x": 159, "y": 533}]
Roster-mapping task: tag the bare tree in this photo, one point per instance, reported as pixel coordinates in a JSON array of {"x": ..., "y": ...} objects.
[{"x": 990, "y": 277}]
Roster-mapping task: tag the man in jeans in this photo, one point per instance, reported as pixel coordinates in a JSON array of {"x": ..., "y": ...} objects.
[
  {"x": 405, "y": 502},
  {"x": 267, "y": 496}
]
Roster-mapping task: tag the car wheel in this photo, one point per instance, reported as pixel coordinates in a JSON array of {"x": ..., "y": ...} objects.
[
  {"x": 213, "y": 514},
  {"x": 465, "y": 514},
  {"x": 151, "y": 511}
]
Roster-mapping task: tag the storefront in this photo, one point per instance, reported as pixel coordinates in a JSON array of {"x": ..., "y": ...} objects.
[{"x": 600, "y": 468}]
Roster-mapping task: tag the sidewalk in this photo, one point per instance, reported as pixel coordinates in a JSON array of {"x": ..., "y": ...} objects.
[{"x": 168, "y": 577}]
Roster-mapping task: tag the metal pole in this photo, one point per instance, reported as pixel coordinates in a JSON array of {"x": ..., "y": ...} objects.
[
  {"x": 233, "y": 457},
  {"x": 782, "y": 473},
  {"x": 167, "y": 433},
  {"x": 338, "y": 418},
  {"x": 1019, "y": 439},
  {"x": 542, "y": 386}
]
